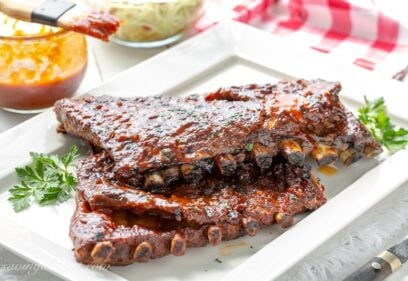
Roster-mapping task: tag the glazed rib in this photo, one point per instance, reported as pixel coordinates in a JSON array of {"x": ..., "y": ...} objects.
[
  {"x": 284, "y": 189},
  {"x": 99, "y": 238},
  {"x": 157, "y": 141},
  {"x": 115, "y": 224}
]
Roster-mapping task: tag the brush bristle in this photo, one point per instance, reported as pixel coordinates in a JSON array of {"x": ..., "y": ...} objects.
[{"x": 96, "y": 24}]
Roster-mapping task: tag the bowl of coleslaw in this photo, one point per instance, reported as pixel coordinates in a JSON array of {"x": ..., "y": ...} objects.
[{"x": 150, "y": 23}]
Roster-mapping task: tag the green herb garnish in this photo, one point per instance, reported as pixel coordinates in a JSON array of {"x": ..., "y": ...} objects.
[
  {"x": 47, "y": 180},
  {"x": 249, "y": 147},
  {"x": 374, "y": 115}
]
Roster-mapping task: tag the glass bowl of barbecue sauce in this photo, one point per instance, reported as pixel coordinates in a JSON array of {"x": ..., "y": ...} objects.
[{"x": 38, "y": 65}]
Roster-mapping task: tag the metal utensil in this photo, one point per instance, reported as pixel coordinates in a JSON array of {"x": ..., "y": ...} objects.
[
  {"x": 382, "y": 265},
  {"x": 400, "y": 76}
]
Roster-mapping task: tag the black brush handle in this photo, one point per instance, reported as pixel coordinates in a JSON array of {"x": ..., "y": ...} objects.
[{"x": 50, "y": 11}]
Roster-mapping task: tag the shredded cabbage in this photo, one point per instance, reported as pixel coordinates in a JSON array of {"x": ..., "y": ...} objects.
[{"x": 144, "y": 21}]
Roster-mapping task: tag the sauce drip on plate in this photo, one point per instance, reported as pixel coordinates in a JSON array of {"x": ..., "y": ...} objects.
[{"x": 328, "y": 170}]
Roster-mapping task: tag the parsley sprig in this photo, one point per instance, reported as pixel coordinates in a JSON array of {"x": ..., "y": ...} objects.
[
  {"x": 374, "y": 115},
  {"x": 47, "y": 180}
]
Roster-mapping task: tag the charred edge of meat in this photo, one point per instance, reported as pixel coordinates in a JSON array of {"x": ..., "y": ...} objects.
[
  {"x": 263, "y": 155},
  {"x": 230, "y": 165},
  {"x": 193, "y": 173},
  {"x": 233, "y": 165},
  {"x": 292, "y": 151},
  {"x": 227, "y": 165}
]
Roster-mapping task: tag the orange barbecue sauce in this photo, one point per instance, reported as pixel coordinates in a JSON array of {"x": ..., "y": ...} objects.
[
  {"x": 39, "y": 65},
  {"x": 328, "y": 170}
]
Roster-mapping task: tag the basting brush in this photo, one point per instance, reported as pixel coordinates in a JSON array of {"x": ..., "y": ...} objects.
[{"x": 62, "y": 13}]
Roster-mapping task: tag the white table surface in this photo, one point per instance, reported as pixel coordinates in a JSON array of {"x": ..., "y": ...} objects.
[{"x": 105, "y": 61}]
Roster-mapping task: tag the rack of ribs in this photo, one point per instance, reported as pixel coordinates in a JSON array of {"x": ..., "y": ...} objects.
[
  {"x": 177, "y": 172},
  {"x": 160, "y": 142},
  {"x": 116, "y": 224}
]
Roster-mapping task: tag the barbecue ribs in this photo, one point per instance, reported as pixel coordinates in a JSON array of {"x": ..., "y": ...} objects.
[
  {"x": 179, "y": 172},
  {"x": 114, "y": 224},
  {"x": 157, "y": 141}
]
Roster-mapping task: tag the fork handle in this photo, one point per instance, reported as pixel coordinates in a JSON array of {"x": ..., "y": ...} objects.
[{"x": 378, "y": 268}]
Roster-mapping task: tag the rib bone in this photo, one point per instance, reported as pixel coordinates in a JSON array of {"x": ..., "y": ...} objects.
[
  {"x": 324, "y": 154},
  {"x": 371, "y": 150},
  {"x": 171, "y": 175},
  {"x": 293, "y": 152},
  {"x": 191, "y": 173},
  {"x": 143, "y": 252},
  {"x": 102, "y": 251},
  {"x": 134, "y": 225},
  {"x": 154, "y": 180},
  {"x": 263, "y": 155},
  {"x": 178, "y": 245},
  {"x": 226, "y": 164},
  {"x": 194, "y": 130},
  {"x": 349, "y": 156},
  {"x": 251, "y": 226},
  {"x": 283, "y": 220},
  {"x": 214, "y": 235}
]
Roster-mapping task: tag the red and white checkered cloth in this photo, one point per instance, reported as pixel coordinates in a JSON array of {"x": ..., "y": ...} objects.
[{"x": 362, "y": 32}]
